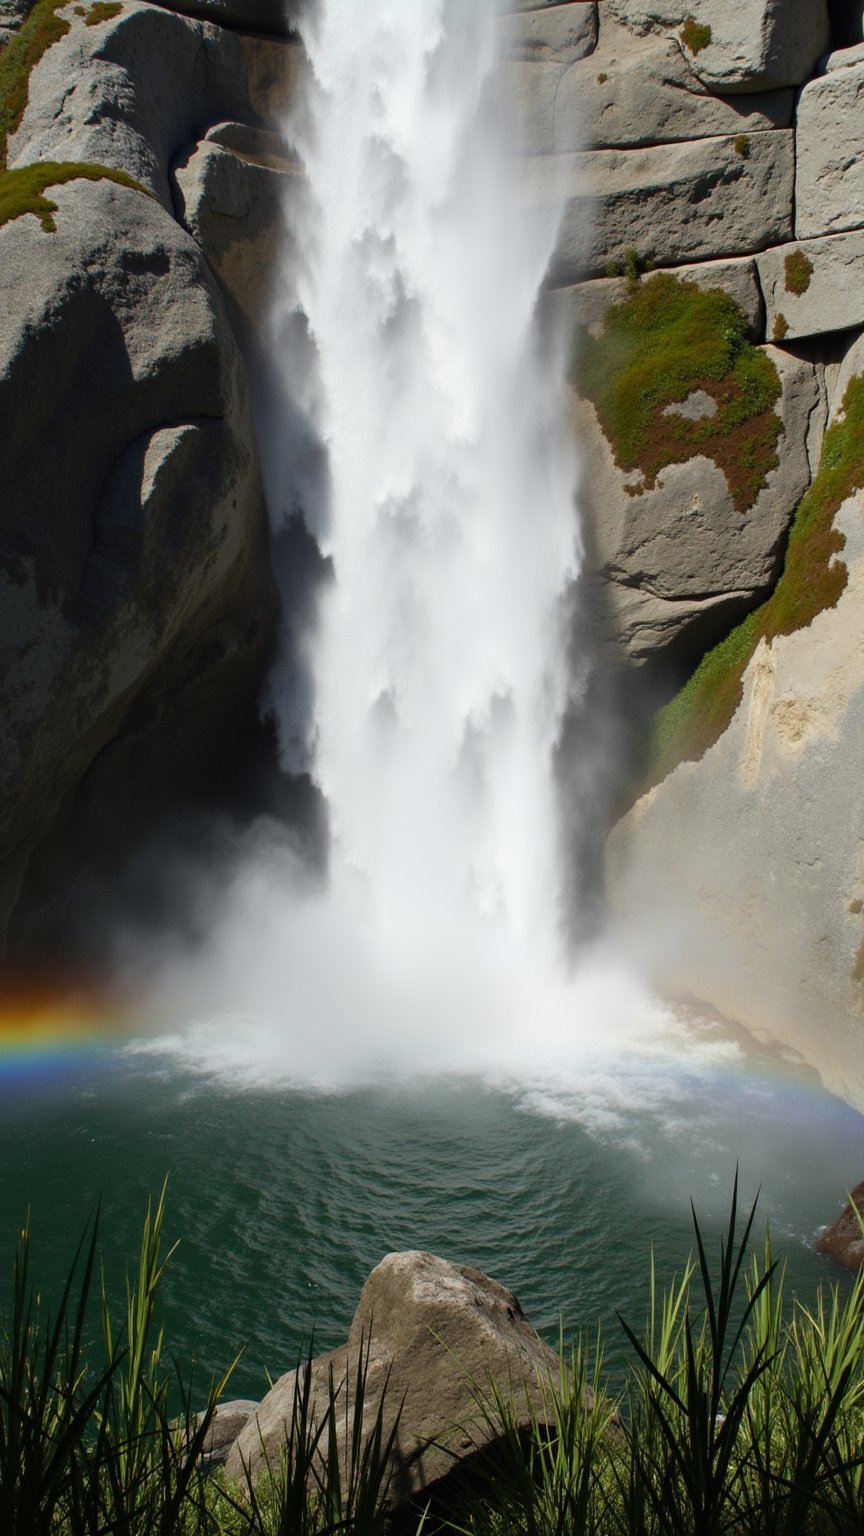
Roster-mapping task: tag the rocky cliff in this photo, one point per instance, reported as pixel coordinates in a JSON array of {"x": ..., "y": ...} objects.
[{"x": 710, "y": 159}]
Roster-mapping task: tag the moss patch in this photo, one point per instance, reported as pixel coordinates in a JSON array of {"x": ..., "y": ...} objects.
[
  {"x": 23, "y": 191},
  {"x": 694, "y": 35},
  {"x": 43, "y": 27},
  {"x": 797, "y": 272},
  {"x": 103, "y": 10},
  {"x": 742, "y": 145},
  {"x": 813, "y": 579},
  {"x": 780, "y": 328},
  {"x": 667, "y": 339}
]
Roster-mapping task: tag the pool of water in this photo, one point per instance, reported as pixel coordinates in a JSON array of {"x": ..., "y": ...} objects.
[{"x": 283, "y": 1199}]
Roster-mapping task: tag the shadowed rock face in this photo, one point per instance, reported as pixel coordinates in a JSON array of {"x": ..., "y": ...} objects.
[
  {"x": 138, "y": 600},
  {"x": 435, "y": 1333}
]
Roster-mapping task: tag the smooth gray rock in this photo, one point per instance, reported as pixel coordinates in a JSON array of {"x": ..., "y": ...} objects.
[
  {"x": 130, "y": 93},
  {"x": 670, "y": 551},
  {"x": 438, "y": 1329},
  {"x": 527, "y": 95},
  {"x": 635, "y": 91},
  {"x": 558, "y": 34},
  {"x": 135, "y": 551},
  {"x": 834, "y": 299},
  {"x": 741, "y": 877},
  {"x": 829, "y": 159},
  {"x": 226, "y": 1424},
  {"x": 695, "y": 200},
  {"x": 754, "y": 44},
  {"x": 586, "y": 303},
  {"x": 230, "y": 194}
]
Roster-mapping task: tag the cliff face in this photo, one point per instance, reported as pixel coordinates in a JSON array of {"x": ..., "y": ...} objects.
[
  {"x": 721, "y": 147},
  {"x": 138, "y": 602}
]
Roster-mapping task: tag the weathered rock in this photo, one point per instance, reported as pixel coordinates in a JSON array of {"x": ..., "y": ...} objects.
[
  {"x": 559, "y": 33},
  {"x": 587, "y": 303},
  {"x": 751, "y": 45},
  {"x": 132, "y": 529},
  {"x": 833, "y": 299},
  {"x": 742, "y": 875},
  {"x": 230, "y": 195},
  {"x": 130, "y": 93},
  {"x": 681, "y": 549},
  {"x": 635, "y": 91},
  {"x": 699, "y": 199},
  {"x": 844, "y": 1239},
  {"x": 829, "y": 185},
  {"x": 528, "y": 94},
  {"x": 437, "y": 1331},
  {"x": 226, "y": 1424}
]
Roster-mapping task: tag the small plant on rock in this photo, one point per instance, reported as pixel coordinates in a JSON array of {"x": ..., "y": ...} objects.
[
  {"x": 695, "y": 35},
  {"x": 797, "y": 272},
  {"x": 742, "y": 145}
]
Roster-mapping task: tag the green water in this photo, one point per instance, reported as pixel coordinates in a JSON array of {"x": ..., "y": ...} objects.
[{"x": 284, "y": 1200}]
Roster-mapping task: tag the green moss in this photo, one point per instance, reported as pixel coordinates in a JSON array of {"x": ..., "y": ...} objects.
[
  {"x": 667, "y": 339},
  {"x": 798, "y": 270},
  {"x": 780, "y": 328},
  {"x": 695, "y": 36},
  {"x": 23, "y": 191},
  {"x": 103, "y": 10},
  {"x": 742, "y": 146},
  {"x": 42, "y": 28},
  {"x": 812, "y": 580}
]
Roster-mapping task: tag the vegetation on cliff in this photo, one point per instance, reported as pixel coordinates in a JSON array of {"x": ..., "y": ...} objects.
[
  {"x": 667, "y": 340},
  {"x": 43, "y": 27},
  {"x": 740, "y": 1415},
  {"x": 813, "y": 579},
  {"x": 23, "y": 191}
]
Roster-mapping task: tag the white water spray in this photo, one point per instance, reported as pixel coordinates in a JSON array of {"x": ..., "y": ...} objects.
[{"x": 438, "y": 659}]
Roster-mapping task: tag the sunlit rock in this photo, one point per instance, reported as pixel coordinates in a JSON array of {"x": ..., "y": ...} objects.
[{"x": 437, "y": 1333}]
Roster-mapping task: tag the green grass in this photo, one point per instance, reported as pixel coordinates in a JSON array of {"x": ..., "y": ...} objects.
[
  {"x": 102, "y": 10},
  {"x": 667, "y": 339},
  {"x": 43, "y": 27},
  {"x": 813, "y": 579},
  {"x": 23, "y": 191}
]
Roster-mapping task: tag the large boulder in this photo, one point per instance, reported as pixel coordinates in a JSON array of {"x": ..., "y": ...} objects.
[
  {"x": 560, "y": 32},
  {"x": 739, "y": 45},
  {"x": 274, "y": 16},
  {"x": 436, "y": 1333},
  {"x": 646, "y": 199},
  {"x": 642, "y": 90},
  {"x": 811, "y": 287},
  {"x": 829, "y": 178}
]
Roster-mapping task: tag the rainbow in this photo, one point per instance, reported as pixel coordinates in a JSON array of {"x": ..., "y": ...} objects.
[{"x": 45, "y": 1028}]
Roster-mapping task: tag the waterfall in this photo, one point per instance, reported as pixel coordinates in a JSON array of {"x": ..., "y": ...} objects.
[
  {"x": 438, "y": 674},
  {"x": 416, "y": 428}
]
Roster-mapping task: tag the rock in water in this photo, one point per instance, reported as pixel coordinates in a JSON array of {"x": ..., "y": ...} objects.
[
  {"x": 433, "y": 1330},
  {"x": 844, "y": 1239}
]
